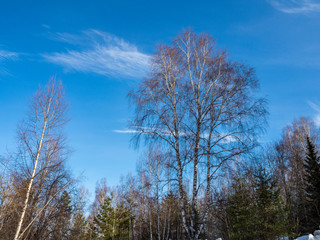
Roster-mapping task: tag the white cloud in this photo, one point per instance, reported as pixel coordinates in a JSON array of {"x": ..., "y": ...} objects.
[
  {"x": 100, "y": 53},
  {"x": 144, "y": 130},
  {"x": 147, "y": 130},
  {"x": 316, "y": 108},
  {"x": 224, "y": 138},
  {"x": 45, "y": 26},
  {"x": 126, "y": 131},
  {"x": 6, "y": 55},
  {"x": 296, "y": 6}
]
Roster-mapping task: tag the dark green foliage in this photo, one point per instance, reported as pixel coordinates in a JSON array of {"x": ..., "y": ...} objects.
[
  {"x": 312, "y": 189},
  {"x": 79, "y": 227},
  {"x": 112, "y": 221},
  {"x": 240, "y": 212},
  {"x": 61, "y": 230},
  {"x": 271, "y": 214},
  {"x": 255, "y": 210},
  {"x": 103, "y": 220}
]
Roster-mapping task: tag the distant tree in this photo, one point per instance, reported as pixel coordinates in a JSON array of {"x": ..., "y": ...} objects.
[
  {"x": 312, "y": 189},
  {"x": 218, "y": 223},
  {"x": 129, "y": 194},
  {"x": 287, "y": 161},
  {"x": 78, "y": 230},
  {"x": 240, "y": 211},
  {"x": 270, "y": 219},
  {"x": 111, "y": 221},
  {"x": 79, "y": 224},
  {"x": 171, "y": 217},
  {"x": 255, "y": 209},
  {"x": 152, "y": 171},
  {"x": 103, "y": 220},
  {"x": 62, "y": 221},
  {"x": 8, "y": 199}
]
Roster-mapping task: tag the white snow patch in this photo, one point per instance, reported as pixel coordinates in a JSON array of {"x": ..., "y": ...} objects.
[{"x": 316, "y": 236}]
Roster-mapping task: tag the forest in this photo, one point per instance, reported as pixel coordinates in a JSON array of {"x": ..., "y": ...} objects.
[{"x": 205, "y": 172}]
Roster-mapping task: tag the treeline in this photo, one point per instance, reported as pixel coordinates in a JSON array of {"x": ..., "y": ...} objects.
[
  {"x": 274, "y": 193},
  {"x": 204, "y": 174},
  {"x": 277, "y": 194}
]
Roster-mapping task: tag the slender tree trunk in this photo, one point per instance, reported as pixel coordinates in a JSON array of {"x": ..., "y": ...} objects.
[
  {"x": 26, "y": 201},
  {"x": 158, "y": 206},
  {"x": 130, "y": 228},
  {"x": 149, "y": 199},
  {"x": 195, "y": 185},
  {"x": 150, "y": 224}
]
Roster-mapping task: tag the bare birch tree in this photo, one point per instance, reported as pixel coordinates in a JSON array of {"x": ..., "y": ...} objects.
[
  {"x": 153, "y": 167},
  {"x": 41, "y": 142},
  {"x": 203, "y": 107}
]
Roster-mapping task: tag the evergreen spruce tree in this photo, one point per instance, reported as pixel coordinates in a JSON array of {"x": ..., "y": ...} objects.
[
  {"x": 240, "y": 212},
  {"x": 62, "y": 227},
  {"x": 270, "y": 213},
  {"x": 79, "y": 227},
  {"x": 312, "y": 189},
  {"x": 111, "y": 222},
  {"x": 122, "y": 218},
  {"x": 103, "y": 221}
]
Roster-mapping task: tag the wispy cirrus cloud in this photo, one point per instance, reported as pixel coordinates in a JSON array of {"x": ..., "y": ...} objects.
[
  {"x": 296, "y": 6},
  {"x": 126, "y": 131},
  {"x": 6, "y": 55},
  {"x": 224, "y": 138},
  {"x": 101, "y": 53},
  {"x": 147, "y": 130},
  {"x": 316, "y": 107}
]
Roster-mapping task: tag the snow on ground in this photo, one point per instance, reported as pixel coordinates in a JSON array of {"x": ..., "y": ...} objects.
[{"x": 315, "y": 236}]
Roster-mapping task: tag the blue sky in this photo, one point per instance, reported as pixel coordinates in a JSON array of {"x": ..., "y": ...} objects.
[{"x": 100, "y": 49}]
